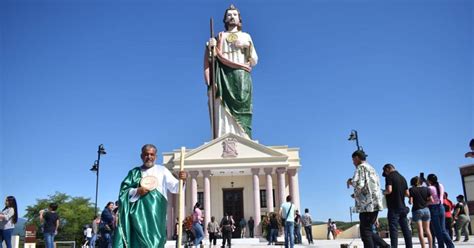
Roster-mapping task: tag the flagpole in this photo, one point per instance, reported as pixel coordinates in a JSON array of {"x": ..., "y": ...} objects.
[{"x": 180, "y": 200}]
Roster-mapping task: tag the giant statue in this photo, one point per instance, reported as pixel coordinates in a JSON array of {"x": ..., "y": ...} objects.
[{"x": 230, "y": 57}]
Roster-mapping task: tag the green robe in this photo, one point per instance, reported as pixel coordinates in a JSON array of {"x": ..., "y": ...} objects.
[
  {"x": 142, "y": 223},
  {"x": 235, "y": 90}
]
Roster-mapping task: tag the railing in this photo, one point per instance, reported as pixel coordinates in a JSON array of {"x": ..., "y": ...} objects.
[{"x": 59, "y": 243}]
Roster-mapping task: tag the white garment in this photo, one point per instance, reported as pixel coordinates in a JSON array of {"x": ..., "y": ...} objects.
[
  {"x": 166, "y": 181},
  {"x": 239, "y": 55},
  {"x": 88, "y": 232},
  {"x": 225, "y": 122},
  {"x": 7, "y": 223},
  {"x": 307, "y": 221}
]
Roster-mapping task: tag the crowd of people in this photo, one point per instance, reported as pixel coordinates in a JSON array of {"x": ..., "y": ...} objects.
[
  {"x": 289, "y": 222},
  {"x": 49, "y": 220},
  {"x": 102, "y": 227},
  {"x": 434, "y": 214},
  {"x": 332, "y": 230},
  {"x": 436, "y": 217}
]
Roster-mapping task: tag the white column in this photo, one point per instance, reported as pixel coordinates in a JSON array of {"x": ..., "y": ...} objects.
[
  {"x": 269, "y": 188},
  {"x": 194, "y": 193},
  {"x": 281, "y": 184},
  {"x": 294, "y": 187},
  {"x": 207, "y": 199},
  {"x": 256, "y": 199}
]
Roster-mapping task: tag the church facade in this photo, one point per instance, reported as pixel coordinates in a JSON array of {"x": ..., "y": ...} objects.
[{"x": 235, "y": 175}]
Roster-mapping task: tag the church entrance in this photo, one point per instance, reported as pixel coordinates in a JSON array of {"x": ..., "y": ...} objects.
[{"x": 234, "y": 205}]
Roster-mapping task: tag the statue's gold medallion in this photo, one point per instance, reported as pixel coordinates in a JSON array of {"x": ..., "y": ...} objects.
[{"x": 232, "y": 37}]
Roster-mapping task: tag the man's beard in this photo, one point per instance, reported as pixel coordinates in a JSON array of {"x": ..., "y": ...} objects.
[
  {"x": 149, "y": 164},
  {"x": 232, "y": 24}
]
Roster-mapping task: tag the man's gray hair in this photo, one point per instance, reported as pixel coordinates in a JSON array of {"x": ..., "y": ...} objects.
[{"x": 148, "y": 146}]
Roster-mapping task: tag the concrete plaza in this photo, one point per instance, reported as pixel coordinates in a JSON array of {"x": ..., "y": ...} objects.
[{"x": 242, "y": 243}]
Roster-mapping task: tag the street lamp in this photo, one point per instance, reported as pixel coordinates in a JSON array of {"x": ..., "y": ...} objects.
[
  {"x": 354, "y": 136},
  {"x": 350, "y": 212},
  {"x": 95, "y": 167}
]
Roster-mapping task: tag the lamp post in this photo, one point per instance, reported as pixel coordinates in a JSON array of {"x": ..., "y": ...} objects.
[
  {"x": 95, "y": 167},
  {"x": 354, "y": 136},
  {"x": 350, "y": 212}
]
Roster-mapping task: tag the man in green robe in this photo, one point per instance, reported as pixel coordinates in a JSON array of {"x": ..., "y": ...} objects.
[
  {"x": 235, "y": 55},
  {"x": 142, "y": 205}
]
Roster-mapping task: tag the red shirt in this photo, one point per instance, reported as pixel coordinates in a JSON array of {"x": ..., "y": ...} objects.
[{"x": 448, "y": 210}]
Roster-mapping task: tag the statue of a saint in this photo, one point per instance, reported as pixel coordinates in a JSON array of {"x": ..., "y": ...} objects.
[{"x": 235, "y": 55}]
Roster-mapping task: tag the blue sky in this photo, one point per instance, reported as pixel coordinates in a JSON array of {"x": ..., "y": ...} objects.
[{"x": 75, "y": 74}]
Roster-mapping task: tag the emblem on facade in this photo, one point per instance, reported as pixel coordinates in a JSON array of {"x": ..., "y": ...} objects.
[{"x": 229, "y": 148}]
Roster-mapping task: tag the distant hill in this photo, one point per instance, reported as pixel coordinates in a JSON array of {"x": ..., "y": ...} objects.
[
  {"x": 20, "y": 227},
  {"x": 340, "y": 224}
]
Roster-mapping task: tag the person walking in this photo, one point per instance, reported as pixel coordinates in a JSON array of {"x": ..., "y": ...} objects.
[
  {"x": 396, "y": 189},
  {"x": 273, "y": 227},
  {"x": 226, "y": 229},
  {"x": 328, "y": 227},
  {"x": 461, "y": 215},
  {"x": 107, "y": 225},
  {"x": 287, "y": 212},
  {"x": 251, "y": 225},
  {"x": 243, "y": 227},
  {"x": 334, "y": 229},
  {"x": 448, "y": 215},
  {"x": 197, "y": 225},
  {"x": 308, "y": 223},
  {"x": 213, "y": 230},
  {"x": 367, "y": 195},
  {"x": 266, "y": 227},
  {"x": 297, "y": 227},
  {"x": 8, "y": 219},
  {"x": 419, "y": 198},
  {"x": 437, "y": 212},
  {"x": 50, "y": 221},
  {"x": 87, "y": 236},
  {"x": 95, "y": 230}
]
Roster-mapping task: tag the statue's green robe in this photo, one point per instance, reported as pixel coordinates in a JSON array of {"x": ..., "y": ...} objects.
[
  {"x": 232, "y": 111},
  {"x": 141, "y": 223},
  {"x": 235, "y": 89}
]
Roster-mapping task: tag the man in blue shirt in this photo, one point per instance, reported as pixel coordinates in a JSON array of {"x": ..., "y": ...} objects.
[{"x": 287, "y": 212}]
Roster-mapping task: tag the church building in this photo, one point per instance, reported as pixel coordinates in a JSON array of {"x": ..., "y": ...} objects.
[{"x": 235, "y": 175}]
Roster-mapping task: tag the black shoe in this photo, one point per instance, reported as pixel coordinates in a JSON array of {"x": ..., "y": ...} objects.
[{"x": 465, "y": 240}]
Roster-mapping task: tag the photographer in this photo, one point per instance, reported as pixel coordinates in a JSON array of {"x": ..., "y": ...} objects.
[{"x": 50, "y": 221}]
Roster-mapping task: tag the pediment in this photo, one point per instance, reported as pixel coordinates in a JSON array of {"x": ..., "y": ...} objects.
[{"x": 234, "y": 148}]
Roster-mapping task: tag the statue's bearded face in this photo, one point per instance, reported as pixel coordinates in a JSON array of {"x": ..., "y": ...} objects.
[
  {"x": 149, "y": 156},
  {"x": 232, "y": 17}
]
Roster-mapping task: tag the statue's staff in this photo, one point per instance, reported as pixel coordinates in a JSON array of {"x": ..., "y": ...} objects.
[
  {"x": 180, "y": 199},
  {"x": 212, "y": 53}
]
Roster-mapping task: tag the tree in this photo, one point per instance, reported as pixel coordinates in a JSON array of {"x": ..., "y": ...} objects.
[{"x": 74, "y": 214}]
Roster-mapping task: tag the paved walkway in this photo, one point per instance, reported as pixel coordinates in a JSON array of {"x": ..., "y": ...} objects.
[{"x": 329, "y": 243}]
